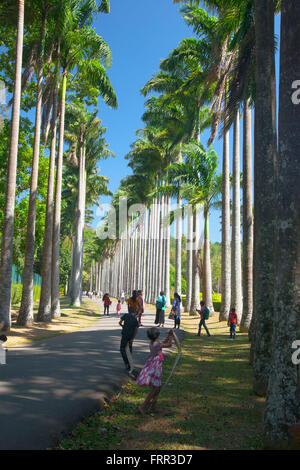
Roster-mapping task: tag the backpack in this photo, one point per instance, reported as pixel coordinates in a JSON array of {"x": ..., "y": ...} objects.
[
  {"x": 160, "y": 303},
  {"x": 206, "y": 313}
]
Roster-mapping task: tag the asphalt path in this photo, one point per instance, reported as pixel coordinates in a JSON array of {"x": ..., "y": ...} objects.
[{"x": 48, "y": 386}]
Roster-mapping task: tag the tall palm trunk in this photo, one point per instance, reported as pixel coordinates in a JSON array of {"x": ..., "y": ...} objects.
[
  {"x": 265, "y": 156},
  {"x": 167, "y": 255},
  {"x": 78, "y": 242},
  {"x": 282, "y": 415},
  {"x": 236, "y": 274},
  {"x": 9, "y": 210},
  {"x": 160, "y": 242},
  {"x": 158, "y": 287},
  {"x": 44, "y": 313},
  {"x": 144, "y": 251},
  {"x": 178, "y": 240},
  {"x": 83, "y": 220},
  {"x": 91, "y": 276},
  {"x": 207, "y": 285},
  {"x": 195, "y": 296},
  {"x": 247, "y": 222},
  {"x": 26, "y": 310},
  {"x": 178, "y": 246},
  {"x": 55, "y": 303},
  {"x": 189, "y": 264},
  {"x": 149, "y": 255},
  {"x": 195, "y": 293},
  {"x": 225, "y": 262},
  {"x": 154, "y": 262}
]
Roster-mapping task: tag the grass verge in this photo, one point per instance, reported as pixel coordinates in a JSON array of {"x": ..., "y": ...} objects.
[
  {"x": 208, "y": 405},
  {"x": 72, "y": 319}
]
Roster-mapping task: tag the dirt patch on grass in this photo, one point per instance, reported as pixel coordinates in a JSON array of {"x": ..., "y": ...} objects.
[{"x": 72, "y": 319}]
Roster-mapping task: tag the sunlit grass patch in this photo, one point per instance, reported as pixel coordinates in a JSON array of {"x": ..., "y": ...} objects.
[{"x": 72, "y": 319}]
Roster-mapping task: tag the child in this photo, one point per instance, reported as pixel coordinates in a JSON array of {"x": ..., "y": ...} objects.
[
  {"x": 119, "y": 307},
  {"x": 176, "y": 310},
  {"x": 232, "y": 321},
  {"x": 204, "y": 313},
  {"x": 151, "y": 373}
]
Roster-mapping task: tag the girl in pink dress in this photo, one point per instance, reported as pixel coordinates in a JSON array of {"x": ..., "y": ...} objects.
[
  {"x": 151, "y": 373},
  {"x": 119, "y": 308}
]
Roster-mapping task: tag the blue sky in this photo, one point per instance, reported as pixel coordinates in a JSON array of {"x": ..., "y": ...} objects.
[{"x": 139, "y": 33}]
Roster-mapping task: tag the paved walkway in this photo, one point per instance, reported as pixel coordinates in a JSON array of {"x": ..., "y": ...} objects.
[{"x": 50, "y": 385}]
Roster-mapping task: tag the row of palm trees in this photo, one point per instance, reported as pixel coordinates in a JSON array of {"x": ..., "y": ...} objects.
[
  {"x": 65, "y": 53},
  {"x": 230, "y": 65},
  {"x": 174, "y": 123}
]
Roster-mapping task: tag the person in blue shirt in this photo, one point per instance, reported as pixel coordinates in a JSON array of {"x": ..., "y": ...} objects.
[
  {"x": 176, "y": 310},
  {"x": 160, "y": 309}
]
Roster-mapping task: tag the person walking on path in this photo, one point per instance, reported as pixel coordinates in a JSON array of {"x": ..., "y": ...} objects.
[
  {"x": 118, "y": 308},
  {"x": 3, "y": 339},
  {"x": 107, "y": 303},
  {"x": 160, "y": 310},
  {"x": 133, "y": 302},
  {"x": 232, "y": 322},
  {"x": 123, "y": 297},
  {"x": 204, "y": 313},
  {"x": 130, "y": 328},
  {"x": 151, "y": 373},
  {"x": 141, "y": 307},
  {"x": 176, "y": 310}
]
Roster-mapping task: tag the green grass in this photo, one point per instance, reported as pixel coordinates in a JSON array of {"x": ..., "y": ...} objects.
[{"x": 208, "y": 405}]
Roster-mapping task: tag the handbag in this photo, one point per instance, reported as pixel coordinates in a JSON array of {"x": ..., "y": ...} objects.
[{"x": 171, "y": 316}]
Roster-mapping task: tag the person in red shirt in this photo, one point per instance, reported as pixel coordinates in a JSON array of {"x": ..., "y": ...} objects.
[
  {"x": 232, "y": 322},
  {"x": 106, "y": 303}
]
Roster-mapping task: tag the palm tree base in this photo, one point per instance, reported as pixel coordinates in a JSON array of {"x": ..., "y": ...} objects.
[
  {"x": 4, "y": 327},
  {"x": 244, "y": 329},
  {"x": 260, "y": 387}
]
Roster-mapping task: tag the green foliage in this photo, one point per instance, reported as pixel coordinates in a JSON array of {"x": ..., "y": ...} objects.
[
  {"x": 22, "y": 189},
  {"x": 16, "y": 293}
]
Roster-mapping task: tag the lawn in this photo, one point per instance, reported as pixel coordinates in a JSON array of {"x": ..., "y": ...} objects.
[
  {"x": 72, "y": 319},
  {"x": 209, "y": 403}
]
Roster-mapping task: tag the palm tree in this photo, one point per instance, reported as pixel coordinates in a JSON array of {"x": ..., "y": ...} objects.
[
  {"x": 202, "y": 187},
  {"x": 45, "y": 298},
  {"x": 265, "y": 157},
  {"x": 226, "y": 265},
  {"x": 282, "y": 413},
  {"x": 247, "y": 222},
  {"x": 86, "y": 129},
  {"x": 231, "y": 45},
  {"x": 181, "y": 82},
  {"x": 236, "y": 275},
  {"x": 25, "y": 316},
  {"x": 189, "y": 266},
  {"x": 8, "y": 222},
  {"x": 83, "y": 49}
]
